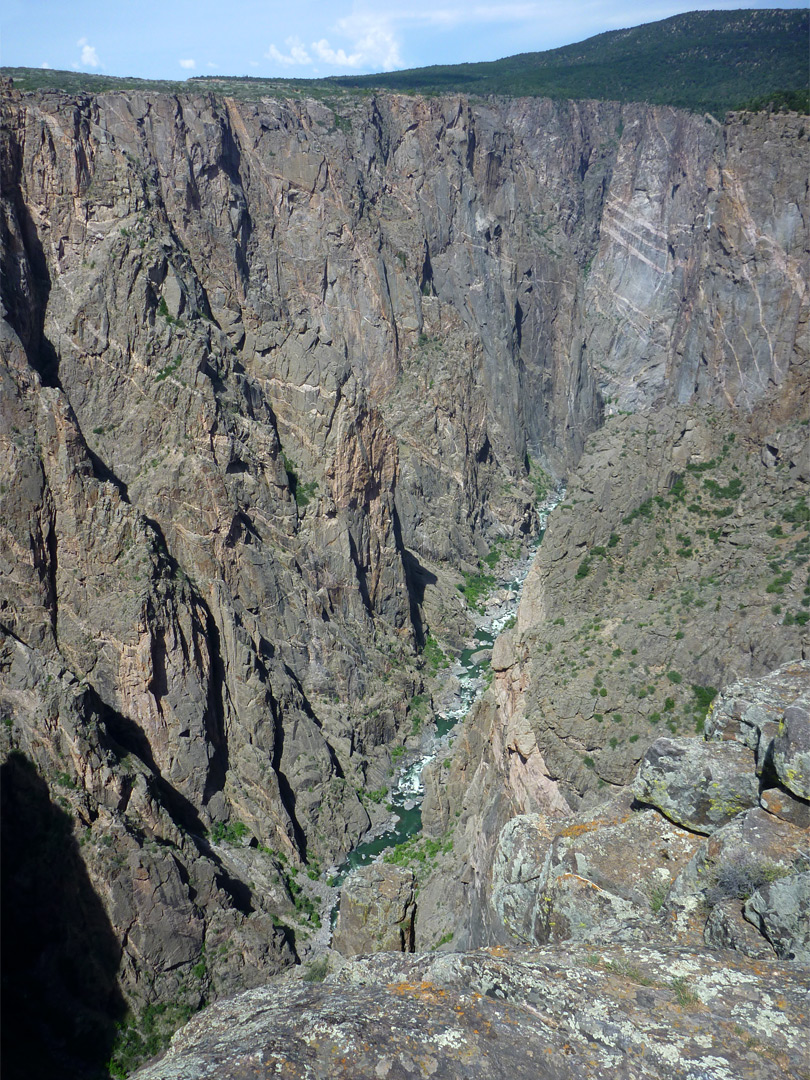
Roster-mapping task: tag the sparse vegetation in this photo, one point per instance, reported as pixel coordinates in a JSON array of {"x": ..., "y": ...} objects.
[
  {"x": 740, "y": 880},
  {"x": 232, "y": 833},
  {"x": 144, "y": 1036},
  {"x": 475, "y": 588},
  {"x": 315, "y": 971},
  {"x": 419, "y": 849},
  {"x": 684, "y": 995},
  {"x": 434, "y": 655}
]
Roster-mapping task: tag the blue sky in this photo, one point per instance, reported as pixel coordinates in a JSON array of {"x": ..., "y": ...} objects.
[{"x": 173, "y": 39}]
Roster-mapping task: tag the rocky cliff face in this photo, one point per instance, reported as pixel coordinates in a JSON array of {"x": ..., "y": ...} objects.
[
  {"x": 272, "y": 375},
  {"x": 677, "y": 563},
  {"x": 645, "y": 948}
]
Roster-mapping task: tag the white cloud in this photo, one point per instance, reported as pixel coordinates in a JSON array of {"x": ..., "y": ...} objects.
[
  {"x": 210, "y": 64},
  {"x": 297, "y": 55},
  {"x": 46, "y": 66},
  {"x": 371, "y": 43},
  {"x": 377, "y": 44},
  {"x": 89, "y": 57},
  {"x": 329, "y": 55},
  {"x": 187, "y": 63}
]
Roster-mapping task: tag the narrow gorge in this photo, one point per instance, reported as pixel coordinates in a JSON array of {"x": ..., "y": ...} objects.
[{"x": 285, "y": 384}]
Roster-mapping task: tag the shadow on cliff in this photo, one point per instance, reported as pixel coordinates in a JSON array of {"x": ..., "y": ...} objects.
[
  {"x": 61, "y": 1000},
  {"x": 25, "y": 294},
  {"x": 417, "y": 578}
]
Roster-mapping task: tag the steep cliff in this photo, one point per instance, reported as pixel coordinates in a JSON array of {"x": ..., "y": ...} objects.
[
  {"x": 665, "y": 935},
  {"x": 273, "y": 375}
]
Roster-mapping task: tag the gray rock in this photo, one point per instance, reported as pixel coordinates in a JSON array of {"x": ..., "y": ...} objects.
[
  {"x": 698, "y": 784},
  {"x": 753, "y": 849},
  {"x": 751, "y": 710},
  {"x": 727, "y": 928},
  {"x": 781, "y": 912},
  {"x": 563, "y": 1014},
  {"x": 791, "y": 749},
  {"x": 376, "y": 913},
  {"x": 592, "y": 877},
  {"x": 783, "y": 805},
  {"x": 503, "y": 652}
]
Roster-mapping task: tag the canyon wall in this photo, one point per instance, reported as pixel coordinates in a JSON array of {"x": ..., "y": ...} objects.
[{"x": 273, "y": 374}]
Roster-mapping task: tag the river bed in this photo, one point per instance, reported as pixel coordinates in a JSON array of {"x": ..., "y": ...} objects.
[{"x": 470, "y": 673}]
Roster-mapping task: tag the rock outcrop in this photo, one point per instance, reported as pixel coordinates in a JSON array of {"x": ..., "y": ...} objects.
[
  {"x": 376, "y": 913},
  {"x": 691, "y": 852},
  {"x": 577, "y": 1014},
  {"x": 646, "y": 950},
  {"x": 675, "y": 565},
  {"x": 698, "y": 786}
]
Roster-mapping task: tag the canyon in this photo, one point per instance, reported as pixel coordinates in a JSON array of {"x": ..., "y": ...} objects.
[{"x": 283, "y": 380}]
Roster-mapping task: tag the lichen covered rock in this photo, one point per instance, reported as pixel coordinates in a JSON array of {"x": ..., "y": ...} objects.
[
  {"x": 376, "y": 913},
  {"x": 501, "y": 1014},
  {"x": 699, "y": 785},
  {"x": 781, "y": 911},
  {"x": 791, "y": 749}
]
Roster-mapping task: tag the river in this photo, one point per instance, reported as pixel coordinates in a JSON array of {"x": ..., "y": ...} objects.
[{"x": 470, "y": 670}]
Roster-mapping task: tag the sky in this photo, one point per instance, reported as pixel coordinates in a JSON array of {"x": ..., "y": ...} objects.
[{"x": 175, "y": 39}]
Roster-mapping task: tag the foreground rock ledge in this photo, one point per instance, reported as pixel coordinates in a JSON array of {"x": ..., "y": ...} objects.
[{"x": 558, "y": 1013}]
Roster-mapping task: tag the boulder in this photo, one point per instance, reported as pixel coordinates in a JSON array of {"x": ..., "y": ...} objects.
[
  {"x": 504, "y": 655},
  {"x": 590, "y": 877},
  {"x": 751, "y": 711},
  {"x": 791, "y": 749},
  {"x": 780, "y": 910},
  {"x": 726, "y": 928},
  {"x": 783, "y": 805},
  {"x": 700, "y": 785},
  {"x": 376, "y": 914},
  {"x": 753, "y": 850},
  {"x": 507, "y": 1014}
]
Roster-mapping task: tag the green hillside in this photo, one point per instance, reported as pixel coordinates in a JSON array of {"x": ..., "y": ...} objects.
[
  {"x": 712, "y": 60},
  {"x": 704, "y": 61}
]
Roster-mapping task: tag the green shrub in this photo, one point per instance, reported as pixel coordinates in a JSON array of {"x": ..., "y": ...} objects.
[
  {"x": 233, "y": 833},
  {"x": 799, "y": 514},
  {"x": 584, "y": 568},
  {"x": 475, "y": 588},
  {"x": 777, "y": 585},
  {"x": 800, "y": 618},
  {"x": 658, "y": 895},
  {"x": 434, "y": 654},
  {"x": 644, "y": 510},
  {"x": 303, "y": 493},
  {"x": 316, "y": 971},
  {"x": 145, "y": 1036},
  {"x": 732, "y": 490},
  {"x": 169, "y": 369},
  {"x": 704, "y": 696}
]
